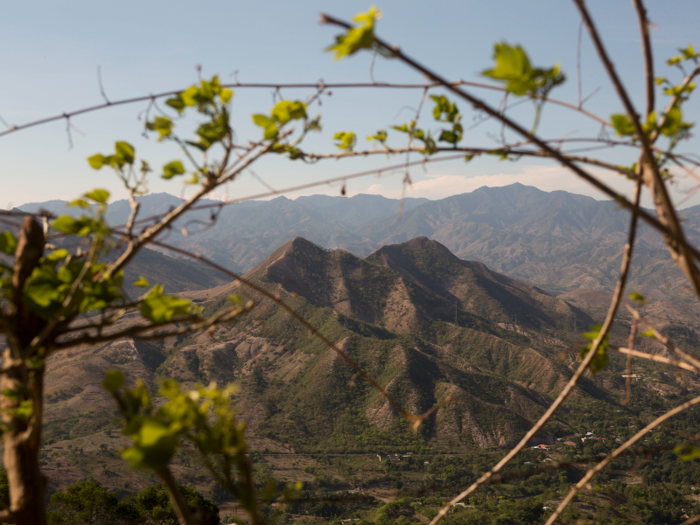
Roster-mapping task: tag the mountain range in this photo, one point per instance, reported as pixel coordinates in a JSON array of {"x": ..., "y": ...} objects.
[
  {"x": 558, "y": 241},
  {"x": 422, "y": 322}
]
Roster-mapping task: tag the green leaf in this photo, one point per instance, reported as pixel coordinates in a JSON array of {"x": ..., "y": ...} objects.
[
  {"x": 80, "y": 203},
  {"x": 25, "y": 410},
  {"x": 358, "y": 37},
  {"x": 448, "y": 136},
  {"x": 271, "y": 132},
  {"x": 113, "y": 381},
  {"x": 622, "y": 124},
  {"x": 444, "y": 110},
  {"x": 173, "y": 168},
  {"x": 176, "y": 103},
  {"x": 514, "y": 69},
  {"x": 286, "y": 110},
  {"x": 154, "y": 446},
  {"x": 512, "y": 66},
  {"x": 141, "y": 281},
  {"x": 163, "y": 125},
  {"x": 673, "y": 121},
  {"x": 160, "y": 308},
  {"x": 235, "y": 299},
  {"x": 188, "y": 96},
  {"x": 600, "y": 360},
  {"x": 8, "y": 243},
  {"x": 66, "y": 224},
  {"x": 97, "y": 161},
  {"x": 345, "y": 140},
  {"x": 380, "y": 136},
  {"x": 687, "y": 452},
  {"x": 262, "y": 120},
  {"x": 225, "y": 95},
  {"x": 58, "y": 255},
  {"x": 638, "y": 297},
  {"x": 125, "y": 150},
  {"x": 98, "y": 195}
]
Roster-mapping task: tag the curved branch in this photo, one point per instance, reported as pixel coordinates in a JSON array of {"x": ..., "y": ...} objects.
[
  {"x": 665, "y": 340},
  {"x": 135, "y": 332},
  {"x": 673, "y": 231},
  {"x": 676, "y": 243},
  {"x": 648, "y": 58},
  {"x": 609, "y": 320},
  {"x": 655, "y": 357},
  {"x": 317, "y": 85}
]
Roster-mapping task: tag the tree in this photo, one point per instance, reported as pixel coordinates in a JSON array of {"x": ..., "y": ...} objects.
[
  {"x": 85, "y": 503},
  {"x": 154, "y": 505},
  {"x": 58, "y": 298}
]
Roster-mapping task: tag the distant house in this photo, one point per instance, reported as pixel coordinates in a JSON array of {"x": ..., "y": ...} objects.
[
  {"x": 570, "y": 443},
  {"x": 388, "y": 457}
]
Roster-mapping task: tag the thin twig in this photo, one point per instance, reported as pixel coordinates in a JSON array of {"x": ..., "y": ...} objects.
[
  {"x": 653, "y": 357},
  {"x": 607, "y": 324},
  {"x": 665, "y": 208},
  {"x": 672, "y": 230},
  {"x": 630, "y": 353},
  {"x": 665, "y": 340},
  {"x": 648, "y": 57}
]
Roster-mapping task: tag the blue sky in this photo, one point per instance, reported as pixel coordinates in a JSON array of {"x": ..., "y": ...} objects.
[{"x": 50, "y": 52}]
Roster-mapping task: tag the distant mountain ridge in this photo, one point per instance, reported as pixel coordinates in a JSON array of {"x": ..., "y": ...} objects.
[
  {"x": 558, "y": 241},
  {"x": 425, "y": 324}
]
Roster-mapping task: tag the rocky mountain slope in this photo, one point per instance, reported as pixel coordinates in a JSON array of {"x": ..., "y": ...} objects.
[
  {"x": 422, "y": 322},
  {"x": 557, "y": 241}
]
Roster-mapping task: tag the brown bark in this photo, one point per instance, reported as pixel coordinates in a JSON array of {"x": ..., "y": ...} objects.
[{"x": 22, "y": 437}]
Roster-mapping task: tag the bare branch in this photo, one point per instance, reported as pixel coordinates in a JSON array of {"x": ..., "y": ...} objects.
[
  {"x": 648, "y": 58},
  {"x": 665, "y": 340},
  {"x": 654, "y": 357},
  {"x": 137, "y": 332},
  {"x": 665, "y": 209},
  {"x": 672, "y": 230},
  {"x": 607, "y": 324},
  {"x": 317, "y": 85}
]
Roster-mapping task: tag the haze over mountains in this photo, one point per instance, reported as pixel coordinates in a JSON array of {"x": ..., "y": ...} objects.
[{"x": 558, "y": 241}]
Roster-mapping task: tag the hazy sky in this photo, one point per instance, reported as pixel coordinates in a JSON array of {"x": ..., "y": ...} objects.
[{"x": 50, "y": 52}]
